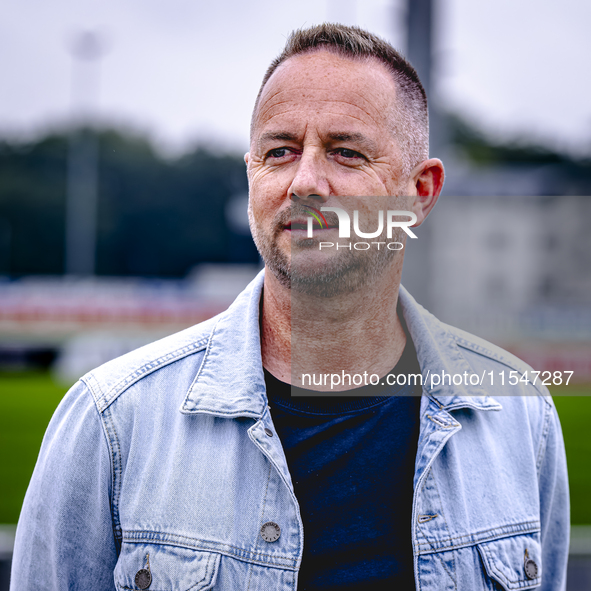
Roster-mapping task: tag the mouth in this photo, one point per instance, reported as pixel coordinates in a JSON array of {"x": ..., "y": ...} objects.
[{"x": 300, "y": 224}]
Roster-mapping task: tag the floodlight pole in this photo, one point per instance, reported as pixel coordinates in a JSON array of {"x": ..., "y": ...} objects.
[
  {"x": 419, "y": 50},
  {"x": 82, "y": 172}
]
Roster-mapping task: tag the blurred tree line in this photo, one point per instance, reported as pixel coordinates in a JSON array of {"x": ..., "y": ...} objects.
[
  {"x": 157, "y": 216},
  {"x": 573, "y": 174},
  {"x": 160, "y": 216}
]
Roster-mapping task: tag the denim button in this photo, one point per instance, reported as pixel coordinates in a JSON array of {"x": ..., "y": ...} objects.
[
  {"x": 531, "y": 569},
  {"x": 143, "y": 578},
  {"x": 270, "y": 532},
  {"x": 268, "y": 432}
]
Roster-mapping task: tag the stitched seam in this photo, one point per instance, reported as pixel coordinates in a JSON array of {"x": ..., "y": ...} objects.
[
  {"x": 468, "y": 543},
  {"x": 150, "y": 367},
  {"x": 437, "y": 554},
  {"x": 484, "y": 352},
  {"x": 534, "y": 527},
  {"x": 205, "y": 356},
  {"x": 425, "y": 481},
  {"x": 206, "y": 576},
  {"x": 258, "y": 538},
  {"x": 250, "y": 567},
  {"x": 440, "y": 503},
  {"x": 158, "y": 363},
  {"x": 483, "y": 541},
  {"x": 441, "y": 407},
  {"x": 543, "y": 439},
  {"x": 278, "y": 564},
  {"x": 117, "y": 473},
  {"x": 225, "y": 413},
  {"x": 105, "y": 429},
  {"x": 91, "y": 383},
  {"x": 519, "y": 582},
  {"x": 465, "y": 403},
  {"x": 197, "y": 546},
  {"x": 534, "y": 524},
  {"x": 422, "y": 495}
]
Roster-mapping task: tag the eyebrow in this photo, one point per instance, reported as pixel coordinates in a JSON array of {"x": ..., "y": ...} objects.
[
  {"x": 284, "y": 136},
  {"x": 358, "y": 138}
]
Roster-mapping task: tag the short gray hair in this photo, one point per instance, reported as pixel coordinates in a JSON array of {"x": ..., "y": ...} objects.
[{"x": 411, "y": 117}]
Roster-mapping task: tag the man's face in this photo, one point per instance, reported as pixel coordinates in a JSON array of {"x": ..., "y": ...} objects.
[{"x": 323, "y": 136}]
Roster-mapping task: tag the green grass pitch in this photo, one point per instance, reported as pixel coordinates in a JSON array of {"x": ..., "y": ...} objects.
[{"x": 27, "y": 401}]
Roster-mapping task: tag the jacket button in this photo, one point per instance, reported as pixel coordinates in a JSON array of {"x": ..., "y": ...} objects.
[
  {"x": 143, "y": 578},
  {"x": 270, "y": 532},
  {"x": 531, "y": 568},
  {"x": 268, "y": 432}
]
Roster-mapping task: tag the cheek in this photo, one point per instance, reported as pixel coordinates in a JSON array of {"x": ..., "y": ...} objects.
[
  {"x": 267, "y": 194},
  {"x": 256, "y": 208},
  {"x": 267, "y": 181},
  {"x": 263, "y": 206}
]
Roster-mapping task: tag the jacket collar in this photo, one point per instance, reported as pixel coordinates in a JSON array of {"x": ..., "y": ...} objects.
[
  {"x": 231, "y": 382},
  {"x": 437, "y": 352}
]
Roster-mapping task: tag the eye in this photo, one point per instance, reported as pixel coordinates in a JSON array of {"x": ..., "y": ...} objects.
[
  {"x": 348, "y": 154},
  {"x": 278, "y": 153}
]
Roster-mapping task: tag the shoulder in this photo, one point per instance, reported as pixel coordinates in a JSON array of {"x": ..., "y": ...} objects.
[
  {"x": 527, "y": 416},
  {"x": 107, "y": 382},
  {"x": 175, "y": 362},
  {"x": 483, "y": 354},
  {"x": 463, "y": 371},
  {"x": 527, "y": 408},
  {"x": 486, "y": 369}
]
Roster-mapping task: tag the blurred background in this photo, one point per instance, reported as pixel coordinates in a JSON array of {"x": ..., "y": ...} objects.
[{"x": 123, "y": 190}]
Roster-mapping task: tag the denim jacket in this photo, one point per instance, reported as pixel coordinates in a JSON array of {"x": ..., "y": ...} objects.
[{"x": 162, "y": 467}]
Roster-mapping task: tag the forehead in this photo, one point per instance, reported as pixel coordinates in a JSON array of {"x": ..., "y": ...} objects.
[{"x": 324, "y": 88}]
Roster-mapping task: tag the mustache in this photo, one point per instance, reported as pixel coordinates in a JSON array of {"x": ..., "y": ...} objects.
[{"x": 298, "y": 210}]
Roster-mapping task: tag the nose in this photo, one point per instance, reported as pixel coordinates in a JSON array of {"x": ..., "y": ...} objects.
[{"x": 310, "y": 183}]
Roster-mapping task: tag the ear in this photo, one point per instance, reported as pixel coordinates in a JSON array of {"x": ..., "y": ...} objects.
[
  {"x": 427, "y": 178},
  {"x": 246, "y": 157}
]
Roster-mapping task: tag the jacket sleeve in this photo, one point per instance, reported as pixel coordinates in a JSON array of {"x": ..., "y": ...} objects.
[
  {"x": 64, "y": 538},
  {"x": 554, "y": 504}
]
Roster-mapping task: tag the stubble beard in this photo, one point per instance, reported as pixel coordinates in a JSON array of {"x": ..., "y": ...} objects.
[{"x": 347, "y": 272}]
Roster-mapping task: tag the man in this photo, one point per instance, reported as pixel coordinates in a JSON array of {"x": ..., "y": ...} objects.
[{"x": 188, "y": 464}]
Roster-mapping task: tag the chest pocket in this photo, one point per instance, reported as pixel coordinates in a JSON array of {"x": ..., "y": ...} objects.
[
  {"x": 514, "y": 562},
  {"x": 165, "y": 568}
]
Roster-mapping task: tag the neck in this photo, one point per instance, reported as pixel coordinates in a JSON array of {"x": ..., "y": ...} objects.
[{"x": 353, "y": 333}]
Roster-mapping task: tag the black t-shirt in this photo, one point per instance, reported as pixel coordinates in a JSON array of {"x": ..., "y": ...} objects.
[{"x": 351, "y": 459}]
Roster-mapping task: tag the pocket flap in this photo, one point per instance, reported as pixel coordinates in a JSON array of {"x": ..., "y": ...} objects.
[
  {"x": 170, "y": 568},
  {"x": 515, "y": 562}
]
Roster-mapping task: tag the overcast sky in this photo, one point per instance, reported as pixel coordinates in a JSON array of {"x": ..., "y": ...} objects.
[{"x": 187, "y": 70}]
